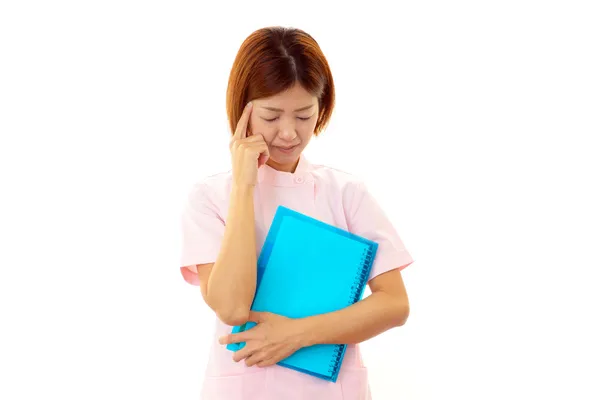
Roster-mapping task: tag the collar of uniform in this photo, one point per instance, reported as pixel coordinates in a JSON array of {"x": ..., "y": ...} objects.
[{"x": 270, "y": 176}]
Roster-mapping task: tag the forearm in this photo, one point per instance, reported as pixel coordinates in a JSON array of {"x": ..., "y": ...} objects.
[
  {"x": 356, "y": 323},
  {"x": 232, "y": 282}
]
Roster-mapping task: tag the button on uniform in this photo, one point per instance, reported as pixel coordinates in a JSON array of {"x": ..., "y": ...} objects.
[{"x": 299, "y": 179}]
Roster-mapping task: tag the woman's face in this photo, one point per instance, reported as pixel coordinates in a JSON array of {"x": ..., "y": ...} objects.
[{"x": 287, "y": 122}]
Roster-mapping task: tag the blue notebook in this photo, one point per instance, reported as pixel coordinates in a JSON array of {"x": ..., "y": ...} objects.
[{"x": 307, "y": 267}]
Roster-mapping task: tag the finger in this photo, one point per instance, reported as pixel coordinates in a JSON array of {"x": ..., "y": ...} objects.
[
  {"x": 259, "y": 147},
  {"x": 242, "y": 125},
  {"x": 255, "y": 358},
  {"x": 258, "y": 150},
  {"x": 236, "y": 337},
  {"x": 250, "y": 140},
  {"x": 264, "y": 156},
  {"x": 257, "y": 137},
  {"x": 268, "y": 362},
  {"x": 243, "y": 353},
  {"x": 262, "y": 147},
  {"x": 262, "y": 160},
  {"x": 235, "y": 144}
]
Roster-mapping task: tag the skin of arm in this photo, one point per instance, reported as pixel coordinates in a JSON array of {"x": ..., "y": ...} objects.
[
  {"x": 228, "y": 285},
  {"x": 387, "y": 307}
]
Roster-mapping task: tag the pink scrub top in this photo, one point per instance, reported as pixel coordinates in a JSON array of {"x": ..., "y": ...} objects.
[{"x": 333, "y": 196}]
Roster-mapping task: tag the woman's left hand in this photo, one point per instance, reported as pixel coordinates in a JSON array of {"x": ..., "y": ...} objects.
[{"x": 274, "y": 338}]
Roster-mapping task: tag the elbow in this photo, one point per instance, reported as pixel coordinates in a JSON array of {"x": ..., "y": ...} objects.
[
  {"x": 401, "y": 313},
  {"x": 230, "y": 313},
  {"x": 232, "y": 316},
  {"x": 396, "y": 310}
]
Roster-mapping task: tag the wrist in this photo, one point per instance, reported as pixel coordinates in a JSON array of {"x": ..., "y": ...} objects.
[{"x": 305, "y": 331}]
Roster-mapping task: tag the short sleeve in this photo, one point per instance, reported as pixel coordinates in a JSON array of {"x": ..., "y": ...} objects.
[
  {"x": 202, "y": 231},
  {"x": 366, "y": 218}
]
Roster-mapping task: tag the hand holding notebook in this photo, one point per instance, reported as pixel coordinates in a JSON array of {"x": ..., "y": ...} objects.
[
  {"x": 307, "y": 267},
  {"x": 274, "y": 336}
]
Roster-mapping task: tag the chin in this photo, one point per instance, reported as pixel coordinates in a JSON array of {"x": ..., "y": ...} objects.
[{"x": 284, "y": 160}]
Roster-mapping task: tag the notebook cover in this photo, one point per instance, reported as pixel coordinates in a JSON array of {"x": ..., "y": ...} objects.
[{"x": 307, "y": 267}]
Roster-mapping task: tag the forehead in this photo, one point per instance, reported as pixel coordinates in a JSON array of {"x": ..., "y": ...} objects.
[{"x": 293, "y": 98}]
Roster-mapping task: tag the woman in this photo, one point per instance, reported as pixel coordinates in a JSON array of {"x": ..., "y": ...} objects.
[{"x": 280, "y": 94}]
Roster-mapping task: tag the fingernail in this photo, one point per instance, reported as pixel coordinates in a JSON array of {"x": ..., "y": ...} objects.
[{"x": 249, "y": 104}]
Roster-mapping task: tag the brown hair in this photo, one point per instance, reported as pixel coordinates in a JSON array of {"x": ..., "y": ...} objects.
[{"x": 272, "y": 60}]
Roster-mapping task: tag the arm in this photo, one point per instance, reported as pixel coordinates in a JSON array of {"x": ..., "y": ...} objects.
[
  {"x": 228, "y": 285},
  {"x": 276, "y": 337},
  {"x": 387, "y": 307}
]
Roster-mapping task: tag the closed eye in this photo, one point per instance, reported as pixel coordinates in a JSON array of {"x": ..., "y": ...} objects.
[{"x": 273, "y": 119}]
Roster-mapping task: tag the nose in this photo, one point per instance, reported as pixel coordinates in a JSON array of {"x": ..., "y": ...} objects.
[{"x": 287, "y": 131}]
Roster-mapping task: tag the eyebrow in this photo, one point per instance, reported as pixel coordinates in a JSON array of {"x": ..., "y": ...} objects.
[{"x": 280, "y": 110}]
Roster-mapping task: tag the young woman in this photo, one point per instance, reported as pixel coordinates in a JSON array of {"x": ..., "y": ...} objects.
[{"x": 280, "y": 94}]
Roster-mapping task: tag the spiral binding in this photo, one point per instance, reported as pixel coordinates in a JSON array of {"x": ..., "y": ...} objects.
[
  {"x": 355, "y": 293},
  {"x": 335, "y": 360},
  {"x": 361, "y": 276}
]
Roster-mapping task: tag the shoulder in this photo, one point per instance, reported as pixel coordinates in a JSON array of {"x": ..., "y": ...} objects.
[
  {"x": 347, "y": 182},
  {"x": 212, "y": 190},
  {"x": 341, "y": 184}
]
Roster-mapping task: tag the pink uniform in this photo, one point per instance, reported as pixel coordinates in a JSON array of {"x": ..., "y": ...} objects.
[{"x": 330, "y": 195}]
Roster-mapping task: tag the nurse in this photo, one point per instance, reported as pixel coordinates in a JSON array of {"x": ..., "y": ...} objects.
[{"x": 281, "y": 94}]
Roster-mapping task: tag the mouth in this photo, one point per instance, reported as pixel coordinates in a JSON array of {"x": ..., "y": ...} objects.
[{"x": 286, "y": 149}]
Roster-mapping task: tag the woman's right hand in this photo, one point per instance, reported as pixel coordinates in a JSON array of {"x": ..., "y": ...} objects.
[{"x": 248, "y": 153}]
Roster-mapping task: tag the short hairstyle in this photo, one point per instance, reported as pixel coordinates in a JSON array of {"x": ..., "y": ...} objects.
[{"x": 272, "y": 60}]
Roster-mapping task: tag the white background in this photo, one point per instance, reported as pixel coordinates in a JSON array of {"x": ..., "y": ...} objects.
[{"x": 473, "y": 123}]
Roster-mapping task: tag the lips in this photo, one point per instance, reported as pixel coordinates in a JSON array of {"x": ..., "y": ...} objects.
[{"x": 286, "y": 149}]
